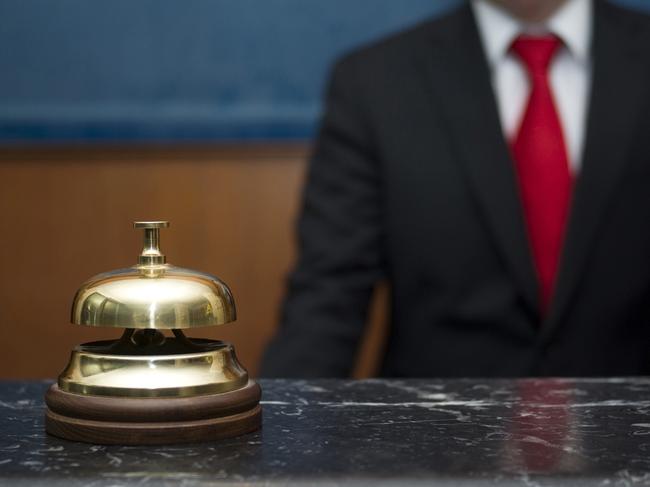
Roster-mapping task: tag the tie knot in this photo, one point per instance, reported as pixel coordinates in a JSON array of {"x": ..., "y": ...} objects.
[{"x": 536, "y": 52}]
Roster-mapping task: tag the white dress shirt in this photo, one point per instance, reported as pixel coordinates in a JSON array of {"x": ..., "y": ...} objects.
[{"x": 570, "y": 71}]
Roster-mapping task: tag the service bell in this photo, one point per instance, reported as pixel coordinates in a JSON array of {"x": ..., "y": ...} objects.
[{"x": 152, "y": 387}]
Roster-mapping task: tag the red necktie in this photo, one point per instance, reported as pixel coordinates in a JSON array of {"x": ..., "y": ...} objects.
[{"x": 542, "y": 165}]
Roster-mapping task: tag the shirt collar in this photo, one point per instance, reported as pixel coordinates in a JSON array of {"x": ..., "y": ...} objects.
[{"x": 498, "y": 29}]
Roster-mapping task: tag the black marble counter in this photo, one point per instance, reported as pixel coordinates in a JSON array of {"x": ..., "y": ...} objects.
[{"x": 407, "y": 432}]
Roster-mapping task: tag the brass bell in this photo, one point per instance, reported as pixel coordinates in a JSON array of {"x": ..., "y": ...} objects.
[{"x": 149, "y": 387}]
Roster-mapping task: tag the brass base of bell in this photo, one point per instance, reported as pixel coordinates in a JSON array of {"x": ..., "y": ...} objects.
[
  {"x": 147, "y": 388},
  {"x": 147, "y": 364},
  {"x": 152, "y": 421}
]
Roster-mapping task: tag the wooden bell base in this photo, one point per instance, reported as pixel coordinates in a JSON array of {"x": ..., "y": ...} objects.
[{"x": 152, "y": 421}]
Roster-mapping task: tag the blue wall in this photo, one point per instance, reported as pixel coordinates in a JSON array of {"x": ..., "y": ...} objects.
[{"x": 180, "y": 69}]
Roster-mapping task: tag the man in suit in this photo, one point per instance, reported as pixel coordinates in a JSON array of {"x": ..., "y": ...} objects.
[{"x": 494, "y": 166}]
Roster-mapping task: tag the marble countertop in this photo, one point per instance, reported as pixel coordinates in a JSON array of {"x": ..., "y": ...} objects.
[{"x": 543, "y": 432}]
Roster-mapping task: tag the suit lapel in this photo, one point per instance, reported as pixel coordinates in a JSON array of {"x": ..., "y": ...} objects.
[
  {"x": 619, "y": 82},
  {"x": 460, "y": 73}
]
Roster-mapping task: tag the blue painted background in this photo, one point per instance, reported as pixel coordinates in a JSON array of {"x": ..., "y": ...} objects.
[{"x": 181, "y": 69}]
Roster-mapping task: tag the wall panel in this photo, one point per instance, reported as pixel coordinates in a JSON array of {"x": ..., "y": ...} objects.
[{"x": 66, "y": 214}]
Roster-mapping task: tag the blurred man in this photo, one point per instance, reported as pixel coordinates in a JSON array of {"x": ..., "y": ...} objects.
[{"x": 494, "y": 166}]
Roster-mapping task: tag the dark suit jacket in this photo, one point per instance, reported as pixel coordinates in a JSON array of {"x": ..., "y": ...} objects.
[{"x": 412, "y": 180}]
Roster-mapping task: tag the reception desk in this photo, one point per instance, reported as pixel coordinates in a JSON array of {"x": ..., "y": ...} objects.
[{"x": 467, "y": 432}]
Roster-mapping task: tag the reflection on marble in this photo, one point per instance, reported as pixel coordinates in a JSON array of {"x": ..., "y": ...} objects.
[{"x": 542, "y": 432}]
